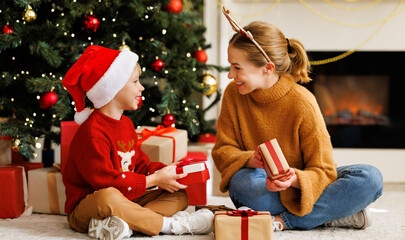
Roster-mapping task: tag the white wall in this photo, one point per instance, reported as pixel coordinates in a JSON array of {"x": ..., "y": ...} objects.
[{"x": 320, "y": 26}]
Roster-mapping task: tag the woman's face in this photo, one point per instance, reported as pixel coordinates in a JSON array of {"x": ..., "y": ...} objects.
[{"x": 247, "y": 76}]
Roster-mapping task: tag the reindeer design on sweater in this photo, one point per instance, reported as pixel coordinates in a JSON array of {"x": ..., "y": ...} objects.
[{"x": 126, "y": 155}]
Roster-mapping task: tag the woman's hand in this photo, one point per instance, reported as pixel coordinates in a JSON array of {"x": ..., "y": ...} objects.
[
  {"x": 277, "y": 185},
  {"x": 166, "y": 179},
  {"x": 255, "y": 161}
]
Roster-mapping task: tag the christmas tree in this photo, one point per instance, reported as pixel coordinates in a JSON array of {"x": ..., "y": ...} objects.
[{"x": 41, "y": 39}]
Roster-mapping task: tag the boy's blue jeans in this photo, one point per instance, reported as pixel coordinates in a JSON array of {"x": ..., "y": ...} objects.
[{"x": 355, "y": 188}]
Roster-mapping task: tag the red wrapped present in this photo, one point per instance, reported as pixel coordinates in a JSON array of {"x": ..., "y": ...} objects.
[
  {"x": 197, "y": 172},
  {"x": 27, "y": 166},
  {"x": 243, "y": 225},
  {"x": 12, "y": 202},
  {"x": 68, "y": 131},
  {"x": 207, "y": 138},
  {"x": 275, "y": 164},
  {"x": 197, "y": 193},
  {"x": 46, "y": 191}
]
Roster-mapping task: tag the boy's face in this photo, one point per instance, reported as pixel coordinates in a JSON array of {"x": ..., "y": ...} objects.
[{"x": 129, "y": 96}]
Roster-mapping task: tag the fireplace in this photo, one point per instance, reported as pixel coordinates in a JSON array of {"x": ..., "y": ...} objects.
[{"x": 362, "y": 98}]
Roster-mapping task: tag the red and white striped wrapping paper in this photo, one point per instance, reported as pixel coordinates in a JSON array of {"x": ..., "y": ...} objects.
[{"x": 275, "y": 164}]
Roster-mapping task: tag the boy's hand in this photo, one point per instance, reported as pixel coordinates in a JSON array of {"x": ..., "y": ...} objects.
[
  {"x": 165, "y": 179},
  {"x": 277, "y": 185},
  {"x": 255, "y": 161}
]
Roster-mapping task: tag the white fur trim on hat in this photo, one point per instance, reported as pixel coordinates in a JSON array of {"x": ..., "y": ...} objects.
[
  {"x": 114, "y": 79},
  {"x": 81, "y": 116}
]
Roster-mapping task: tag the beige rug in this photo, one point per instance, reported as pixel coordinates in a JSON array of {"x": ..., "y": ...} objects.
[{"x": 388, "y": 223}]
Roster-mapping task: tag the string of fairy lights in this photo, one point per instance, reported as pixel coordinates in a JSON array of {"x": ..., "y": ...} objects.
[{"x": 344, "y": 5}]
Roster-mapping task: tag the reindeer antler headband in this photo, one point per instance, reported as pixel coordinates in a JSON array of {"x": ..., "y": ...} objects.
[{"x": 237, "y": 28}]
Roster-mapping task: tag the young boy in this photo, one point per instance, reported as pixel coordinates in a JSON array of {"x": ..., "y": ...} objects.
[{"x": 108, "y": 177}]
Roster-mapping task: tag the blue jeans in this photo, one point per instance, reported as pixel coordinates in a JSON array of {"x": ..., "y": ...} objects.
[{"x": 355, "y": 188}]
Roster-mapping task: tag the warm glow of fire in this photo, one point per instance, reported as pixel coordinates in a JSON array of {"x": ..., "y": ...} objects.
[{"x": 353, "y": 99}]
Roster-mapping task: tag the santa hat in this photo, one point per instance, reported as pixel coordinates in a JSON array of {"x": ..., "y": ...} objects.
[{"x": 100, "y": 73}]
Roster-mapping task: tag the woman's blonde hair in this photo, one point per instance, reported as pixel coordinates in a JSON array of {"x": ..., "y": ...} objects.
[{"x": 289, "y": 56}]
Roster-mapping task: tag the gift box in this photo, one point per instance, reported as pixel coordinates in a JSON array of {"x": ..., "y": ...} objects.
[
  {"x": 12, "y": 199},
  {"x": 68, "y": 130},
  {"x": 197, "y": 172},
  {"x": 46, "y": 192},
  {"x": 243, "y": 224},
  {"x": 161, "y": 144},
  {"x": 197, "y": 193},
  {"x": 275, "y": 164},
  {"x": 27, "y": 166},
  {"x": 197, "y": 184}
]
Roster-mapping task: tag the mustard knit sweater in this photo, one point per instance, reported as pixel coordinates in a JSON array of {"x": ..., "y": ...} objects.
[{"x": 289, "y": 113}]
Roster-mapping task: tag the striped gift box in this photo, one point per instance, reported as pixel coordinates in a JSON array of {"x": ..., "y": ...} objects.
[{"x": 275, "y": 164}]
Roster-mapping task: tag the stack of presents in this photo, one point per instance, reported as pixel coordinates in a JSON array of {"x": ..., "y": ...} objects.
[
  {"x": 29, "y": 187},
  {"x": 29, "y": 184}
]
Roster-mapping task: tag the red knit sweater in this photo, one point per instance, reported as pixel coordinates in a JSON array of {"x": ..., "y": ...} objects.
[{"x": 103, "y": 154}]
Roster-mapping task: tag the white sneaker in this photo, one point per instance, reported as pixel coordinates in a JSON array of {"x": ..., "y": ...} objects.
[
  {"x": 359, "y": 220},
  {"x": 180, "y": 214},
  {"x": 109, "y": 228},
  {"x": 277, "y": 226},
  {"x": 199, "y": 222}
]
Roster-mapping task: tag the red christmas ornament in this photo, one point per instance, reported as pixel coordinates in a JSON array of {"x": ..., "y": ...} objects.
[
  {"x": 140, "y": 101},
  {"x": 90, "y": 23},
  {"x": 48, "y": 100},
  {"x": 158, "y": 65},
  {"x": 168, "y": 120},
  {"x": 7, "y": 29},
  {"x": 201, "y": 56},
  {"x": 174, "y": 6}
]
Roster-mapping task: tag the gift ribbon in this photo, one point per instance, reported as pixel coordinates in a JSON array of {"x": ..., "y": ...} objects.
[
  {"x": 159, "y": 131},
  {"x": 53, "y": 191},
  {"x": 245, "y": 214}
]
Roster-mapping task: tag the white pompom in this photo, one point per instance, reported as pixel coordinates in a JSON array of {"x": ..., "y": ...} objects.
[{"x": 80, "y": 117}]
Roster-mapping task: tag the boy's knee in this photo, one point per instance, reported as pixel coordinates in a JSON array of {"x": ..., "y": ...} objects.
[{"x": 106, "y": 196}]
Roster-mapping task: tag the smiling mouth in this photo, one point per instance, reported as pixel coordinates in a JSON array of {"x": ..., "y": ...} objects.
[{"x": 239, "y": 83}]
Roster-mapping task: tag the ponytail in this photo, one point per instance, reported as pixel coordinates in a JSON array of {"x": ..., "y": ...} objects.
[{"x": 299, "y": 66}]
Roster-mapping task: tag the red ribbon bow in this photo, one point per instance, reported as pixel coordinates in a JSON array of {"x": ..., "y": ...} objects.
[
  {"x": 243, "y": 213},
  {"x": 159, "y": 131},
  {"x": 188, "y": 161}
]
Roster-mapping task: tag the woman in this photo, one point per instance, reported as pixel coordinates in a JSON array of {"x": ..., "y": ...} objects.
[{"x": 265, "y": 101}]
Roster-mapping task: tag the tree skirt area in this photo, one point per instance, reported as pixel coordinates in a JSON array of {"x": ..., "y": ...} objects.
[{"x": 388, "y": 223}]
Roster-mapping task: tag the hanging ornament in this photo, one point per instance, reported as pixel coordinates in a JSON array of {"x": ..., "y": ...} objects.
[
  {"x": 29, "y": 14},
  {"x": 140, "y": 101},
  {"x": 210, "y": 82},
  {"x": 124, "y": 46},
  {"x": 90, "y": 23},
  {"x": 174, "y": 6},
  {"x": 48, "y": 100},
  {"x": 201, "y": 56},
  {"x": 158, "y": 65},
  {"x": 168, "y": 120},
  {"x": 15, "y": 145},
  {"x": 7, "y": 29}
]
